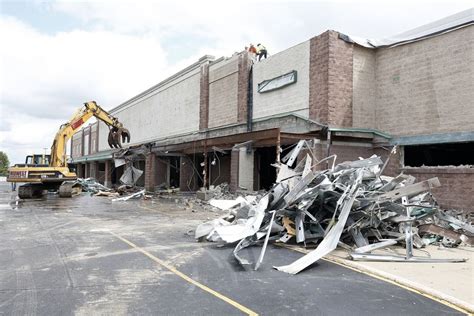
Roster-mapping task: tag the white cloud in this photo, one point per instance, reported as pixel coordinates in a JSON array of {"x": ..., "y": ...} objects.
[{"x": 44, "y": 78}]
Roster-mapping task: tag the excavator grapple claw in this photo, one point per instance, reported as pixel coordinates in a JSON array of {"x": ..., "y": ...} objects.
[{"x": 117, "y": 136}]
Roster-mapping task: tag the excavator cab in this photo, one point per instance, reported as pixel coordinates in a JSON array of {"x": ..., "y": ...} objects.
[{"x": 37, "y": 160}]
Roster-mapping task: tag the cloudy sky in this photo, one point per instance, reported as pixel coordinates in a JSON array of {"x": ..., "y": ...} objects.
[{"x": 58, "y": 54}]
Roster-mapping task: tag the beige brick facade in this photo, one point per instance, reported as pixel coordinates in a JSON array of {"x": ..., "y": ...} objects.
[
  {"x": 427, "y": 87},
  {"x": 223, "y": 92},
  {"x": 363, "y": 98},
  {"x": 292, "y": 98}
]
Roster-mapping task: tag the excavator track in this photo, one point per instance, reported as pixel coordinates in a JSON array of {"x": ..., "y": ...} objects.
[
  {"x": 69, "y": 189},
  {"x": 29, "y": 191}
]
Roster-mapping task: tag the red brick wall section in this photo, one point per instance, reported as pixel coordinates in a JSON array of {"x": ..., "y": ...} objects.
[
  {"x": 456, "y": 190},
  {"x": 318, "y": 77},
  {"x": 340, "y": 81},
  {"x": 242, "y": 89},
  {"x": 330, "y": 80},
  {"x": 204, "y": 97},
  {"x": 150, "y": 171},
  {"x": 80, "y": 170},
  {"x": 161, "y": 172},
  {"x": 350, "y": 153},
  {"x": 220, "y": 172},
  {"x": 234, "y": 170},
  {"x": 344, "y": 153},
  {"x": 393, "y": 166}
]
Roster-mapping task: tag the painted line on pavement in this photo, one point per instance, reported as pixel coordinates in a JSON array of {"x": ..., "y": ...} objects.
[
  {"x": 340, "y": 262},
  {"x": 185, "y": 277}
]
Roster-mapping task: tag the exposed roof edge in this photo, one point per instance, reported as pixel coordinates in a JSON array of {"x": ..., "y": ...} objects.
[
  {"x": 456, "y": 137},
  {"x": 443, "y": 26}
]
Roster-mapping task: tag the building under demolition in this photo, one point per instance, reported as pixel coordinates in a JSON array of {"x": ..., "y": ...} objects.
[{"x": 228, "y": 119}]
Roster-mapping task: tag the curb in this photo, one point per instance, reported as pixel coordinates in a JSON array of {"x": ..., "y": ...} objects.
[{"x": 453, "y": 302}]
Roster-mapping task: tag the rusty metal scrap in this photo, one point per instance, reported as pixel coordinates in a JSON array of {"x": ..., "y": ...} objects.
[{"x": 350, "y": 203}]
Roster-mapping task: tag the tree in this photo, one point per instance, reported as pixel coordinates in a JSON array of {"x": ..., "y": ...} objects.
[{"x": 4, "y": 163}]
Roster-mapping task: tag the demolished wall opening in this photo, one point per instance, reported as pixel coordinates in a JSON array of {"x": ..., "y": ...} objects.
[
  {"x": 433, "y": 155},
  {"x": 218, "y": 168},
  {"x": 174, "y": 171},
  {"x": 140, "y": 165},
  {"x": 266, "y": 173},
  {"x": 117, "y": 172}
]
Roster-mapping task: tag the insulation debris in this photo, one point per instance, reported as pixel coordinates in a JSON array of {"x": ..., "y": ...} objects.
[
  {"x": 130, "y": 175},
  {"x": 91, "y": 185},
  {"x": 131, "y": 196},
  {"x": 349, "y": 203}
]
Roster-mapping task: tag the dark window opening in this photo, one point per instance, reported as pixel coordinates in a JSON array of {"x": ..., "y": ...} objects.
[
  {"x": 452, "y": 154},
  {"x": 117, "y": 173},
  {"x": 266, "y": 173},
  {"x": 140, "y": 165},
  {"x": 101, "y": 166}
]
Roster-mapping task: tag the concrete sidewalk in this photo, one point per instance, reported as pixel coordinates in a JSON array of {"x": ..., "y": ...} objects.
[{"x": 449, "y": 282}]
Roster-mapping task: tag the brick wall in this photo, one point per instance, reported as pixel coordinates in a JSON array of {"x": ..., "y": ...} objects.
[
  {"x": 394, "y": 164},
  {"x": 363, "y": 101},
  {"x": 80, "y": 170},
  {"x": 170, "y": 109},
  {"x": 340, "y": 81},
  {"x": 331, "y": 80},
  {"x": 150, "y": 172},
  {"x": 223, "y": 92},
  {"x": 243, "y": 87},
  {"x": 220, "y": 172},
  {"x": 351, "y": 152},
  {"x": 427, "y": 87},
  {"x": 292, "y": 98},
  {"x": 204, "y": 97},
  {"x": 234, "y": 169},
  {"x": 456, "y": 190},
  {"x": 318, "y": 78},
  {"x": 161, "y": 171}
]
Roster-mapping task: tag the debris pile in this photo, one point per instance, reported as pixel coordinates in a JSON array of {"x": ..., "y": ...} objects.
[
  {"x": 350, "y": 204},
  {"x": 91, "y": 185}
]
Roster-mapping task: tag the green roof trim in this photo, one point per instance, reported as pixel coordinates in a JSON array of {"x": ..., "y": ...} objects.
[{"x": 360, "y": 130}]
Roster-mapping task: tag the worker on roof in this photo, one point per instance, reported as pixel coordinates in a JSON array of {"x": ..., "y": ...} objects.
[
  {"x": 261, "y": 51},
  {"x": 252, "y": 52}
]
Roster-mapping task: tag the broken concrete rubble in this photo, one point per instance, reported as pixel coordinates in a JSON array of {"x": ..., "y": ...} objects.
[{"x": 350, "y": 203}]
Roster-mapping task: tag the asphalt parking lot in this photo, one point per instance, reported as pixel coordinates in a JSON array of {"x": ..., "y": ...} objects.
[{"x": 89, "y": 256}]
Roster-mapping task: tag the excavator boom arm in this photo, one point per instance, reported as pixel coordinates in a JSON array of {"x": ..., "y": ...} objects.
[{"x": 116, "y": 131}]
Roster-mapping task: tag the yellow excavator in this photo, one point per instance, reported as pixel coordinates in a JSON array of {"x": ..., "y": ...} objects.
[{"x": 52, "y": 172}]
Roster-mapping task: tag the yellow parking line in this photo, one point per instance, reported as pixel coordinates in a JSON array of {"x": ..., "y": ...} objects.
[
  {"x": 186, "y": 278},
  {"x": 382, "y": 278}
]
